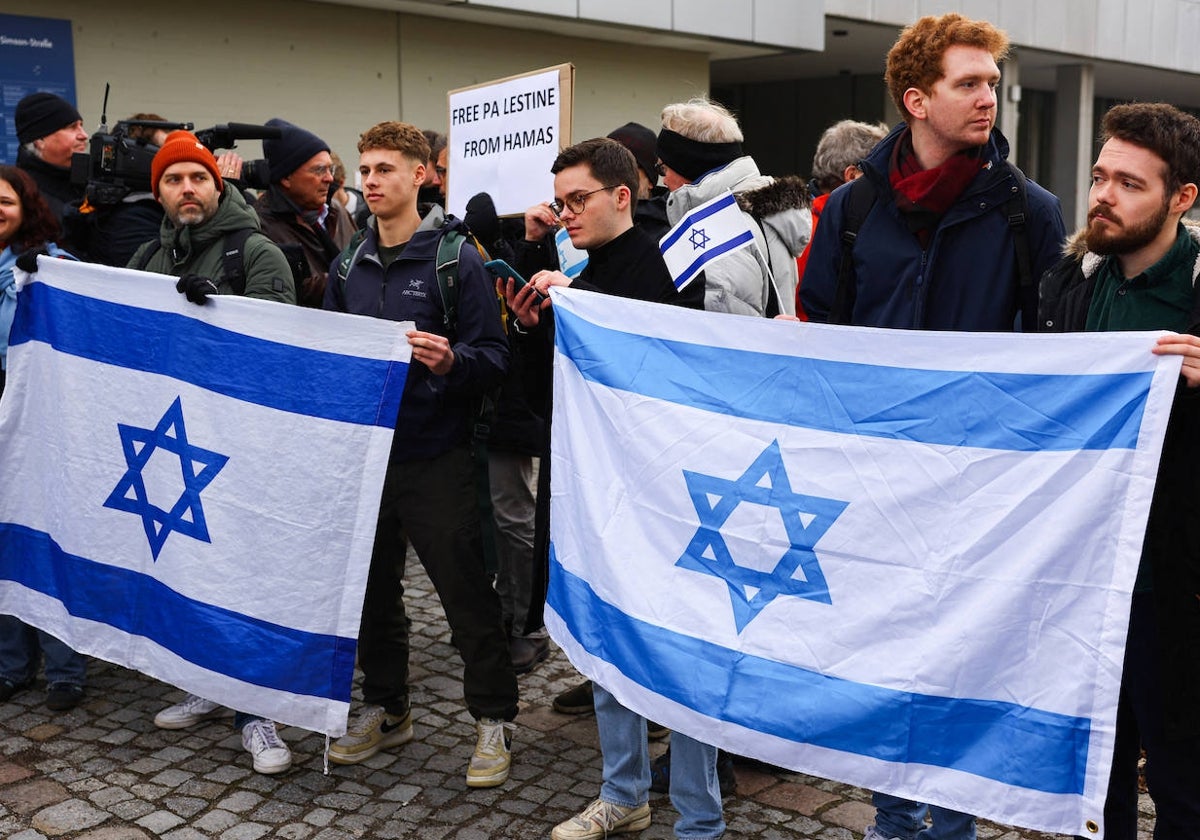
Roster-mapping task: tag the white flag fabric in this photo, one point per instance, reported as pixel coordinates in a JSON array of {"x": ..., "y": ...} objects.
[
  {"x": 898, "y": 559},
  {"x": 191, "y": 491},
  {"x": 715, "y": 228}
]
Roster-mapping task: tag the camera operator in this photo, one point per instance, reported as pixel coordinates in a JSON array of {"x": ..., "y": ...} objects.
[
  {"x": 295, "y": 209},
  {"x": 111, "y": 233},
  {"x": 50, "y": 131}
]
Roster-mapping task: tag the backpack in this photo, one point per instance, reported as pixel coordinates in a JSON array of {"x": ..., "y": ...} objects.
[
  {"x": 861, "y": 198},
  {"x": 449, "y": 251},
  {"x": 233, "y": 260},
  {"x": 446, "y": 268}
]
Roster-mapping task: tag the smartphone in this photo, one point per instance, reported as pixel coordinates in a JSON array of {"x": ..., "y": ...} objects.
[{"x": 503, "y": 271}]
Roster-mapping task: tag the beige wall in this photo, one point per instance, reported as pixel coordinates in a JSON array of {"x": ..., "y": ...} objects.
[
  {"x": 614, "y": 83},
  {"x": 334, "y": 69}
]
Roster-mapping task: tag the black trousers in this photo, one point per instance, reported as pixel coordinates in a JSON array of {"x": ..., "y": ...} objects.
[
  {"x": 1172, "y": 766},
  {"x": 433, "y": 503}
]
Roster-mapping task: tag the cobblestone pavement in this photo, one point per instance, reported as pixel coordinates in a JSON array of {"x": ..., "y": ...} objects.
[{"x": 104, "y": 772}]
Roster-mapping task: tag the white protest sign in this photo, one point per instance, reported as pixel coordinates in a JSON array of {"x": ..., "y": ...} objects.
[{"x": 504, "y": 136}]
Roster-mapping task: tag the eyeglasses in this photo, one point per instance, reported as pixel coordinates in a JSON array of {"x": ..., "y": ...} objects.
[
  {"x": 576, "y": 203},
  {"x": 660, "y": 168},
  {"x": 320, "y": 171}
]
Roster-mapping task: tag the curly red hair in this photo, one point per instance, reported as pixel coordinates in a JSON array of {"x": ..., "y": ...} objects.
[
  {"x": 915, "y": 60},
  {"x": 38, "y": 222}
]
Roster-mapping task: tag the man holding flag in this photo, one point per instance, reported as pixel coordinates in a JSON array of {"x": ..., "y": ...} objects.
[
  {"x": 936, "y": 249},
  {"x": 595, "y": 188},
  {"x": 742, "y": 229},
  {"x": 1134, "y": 267},
  {"x": 201, "y": 219},
  {"x": 391, "y": 271}
]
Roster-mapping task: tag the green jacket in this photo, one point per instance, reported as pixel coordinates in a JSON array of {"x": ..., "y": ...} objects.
[{"x": 197, "y": 249}]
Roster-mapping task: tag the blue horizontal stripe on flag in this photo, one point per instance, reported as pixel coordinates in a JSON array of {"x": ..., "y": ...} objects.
[
  {"x": 687, "y": 221},
  {"x": 1012, "y": 744},
  {"x": 1002, "y": 411},
  {"x": 711, "y": 254},
  {"x": 281, "y": 376},
  {"x": 217, "y": 639}
]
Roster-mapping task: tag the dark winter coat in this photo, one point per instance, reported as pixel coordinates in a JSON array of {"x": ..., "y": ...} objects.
[
  {"x": 435, "y": 411},
  {"x": 282, "y": 224},
  {"x": 965, "y": 280},
  {"x": 198, "y": 249}
]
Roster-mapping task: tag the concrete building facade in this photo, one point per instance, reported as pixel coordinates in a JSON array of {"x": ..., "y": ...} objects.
[{"x": 788, "y": 67}]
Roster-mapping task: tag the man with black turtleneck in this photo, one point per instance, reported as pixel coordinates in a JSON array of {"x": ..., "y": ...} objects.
[{"x": 595, "y": 188}]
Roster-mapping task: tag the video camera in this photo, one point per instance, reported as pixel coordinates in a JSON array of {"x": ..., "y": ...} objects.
[{"x": 118, "y": 163}]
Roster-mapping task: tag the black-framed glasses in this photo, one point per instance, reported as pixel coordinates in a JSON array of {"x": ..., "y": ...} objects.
[
  {"x": 660, "y": 168},
  {"x": 576, "y": 203}
]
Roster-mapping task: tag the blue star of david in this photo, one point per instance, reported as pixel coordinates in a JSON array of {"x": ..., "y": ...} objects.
[
  {"x": 699, "y": 239},
  {"x": 186, "y": 515},
  {"x": 805, "y": 519}
]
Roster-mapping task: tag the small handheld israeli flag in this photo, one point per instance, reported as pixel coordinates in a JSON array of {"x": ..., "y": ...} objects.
[
  {"x": 714, "y": 229},
  {"x": 571, "y": 260}
]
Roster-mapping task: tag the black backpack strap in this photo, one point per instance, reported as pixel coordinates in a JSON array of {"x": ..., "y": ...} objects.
[
  {"x": 859, "y": 201},
  {"x": 152, "y": 248},
  {"x": 233, "y": 260},
  {"x": 1016, "y": 209}
]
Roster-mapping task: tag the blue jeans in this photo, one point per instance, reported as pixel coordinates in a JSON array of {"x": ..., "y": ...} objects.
[
  {"x": 695, "y": 792},
  {"x": 903, "y": 818},
  {"x": 19, "y": 645}
]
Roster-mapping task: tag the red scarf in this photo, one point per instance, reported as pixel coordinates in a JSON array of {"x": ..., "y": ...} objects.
[{"x": 924, "y": 195}]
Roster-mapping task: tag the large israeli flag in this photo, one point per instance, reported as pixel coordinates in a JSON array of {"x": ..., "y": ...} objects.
[
  {"x": 192, "y": 491},
  {"x": 897, "y": 559},
  {"x": 715, "y": 228}
]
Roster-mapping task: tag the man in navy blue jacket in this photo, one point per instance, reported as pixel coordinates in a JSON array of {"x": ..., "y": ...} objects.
[
  {"x": 429, "y": 491},
  {"x": 936, "y": 251}
]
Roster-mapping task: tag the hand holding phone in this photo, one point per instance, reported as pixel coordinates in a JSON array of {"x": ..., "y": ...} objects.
[{"x": 503, "y": 271}]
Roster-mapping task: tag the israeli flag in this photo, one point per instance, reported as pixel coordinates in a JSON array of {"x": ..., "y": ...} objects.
[
  {"x": 714, "y": 229},
  {"x": 897, "y": 559},
  {"x": 571, "y": 260},
  {"x": 191, "y": 491}
]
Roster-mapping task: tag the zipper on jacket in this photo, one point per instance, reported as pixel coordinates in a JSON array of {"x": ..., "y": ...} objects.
[{"x": 919, "y": 291}]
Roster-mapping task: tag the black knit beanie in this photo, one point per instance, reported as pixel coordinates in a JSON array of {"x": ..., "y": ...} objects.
[
  {"x": 691, "y": 158},
  {"x": 41, "y": 114},
  {"x": 291, "y": 150},
  {"x": 641, "y": 141}
]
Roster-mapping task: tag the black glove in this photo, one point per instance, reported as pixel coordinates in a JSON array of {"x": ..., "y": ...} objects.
[
  {"x": 196, "y": 288},
  {"x": 27, "y": 260}
]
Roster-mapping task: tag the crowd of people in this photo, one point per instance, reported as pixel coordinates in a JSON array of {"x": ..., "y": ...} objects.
[{"x": 926, "y": 226}]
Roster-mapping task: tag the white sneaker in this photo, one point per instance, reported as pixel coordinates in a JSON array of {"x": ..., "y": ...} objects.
[
  {"x": 489, "y": 765},
  {"x": 271, "y": 755},
  {"x": 602, "y": 819},
  {"x": 191, "y": 711}
]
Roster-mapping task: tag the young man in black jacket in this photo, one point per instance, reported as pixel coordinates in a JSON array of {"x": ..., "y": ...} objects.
[
  {"x": 429, "y": 490},
  {"x": 1134, "y": 267},
  {"x": 595, "y": 189}
]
